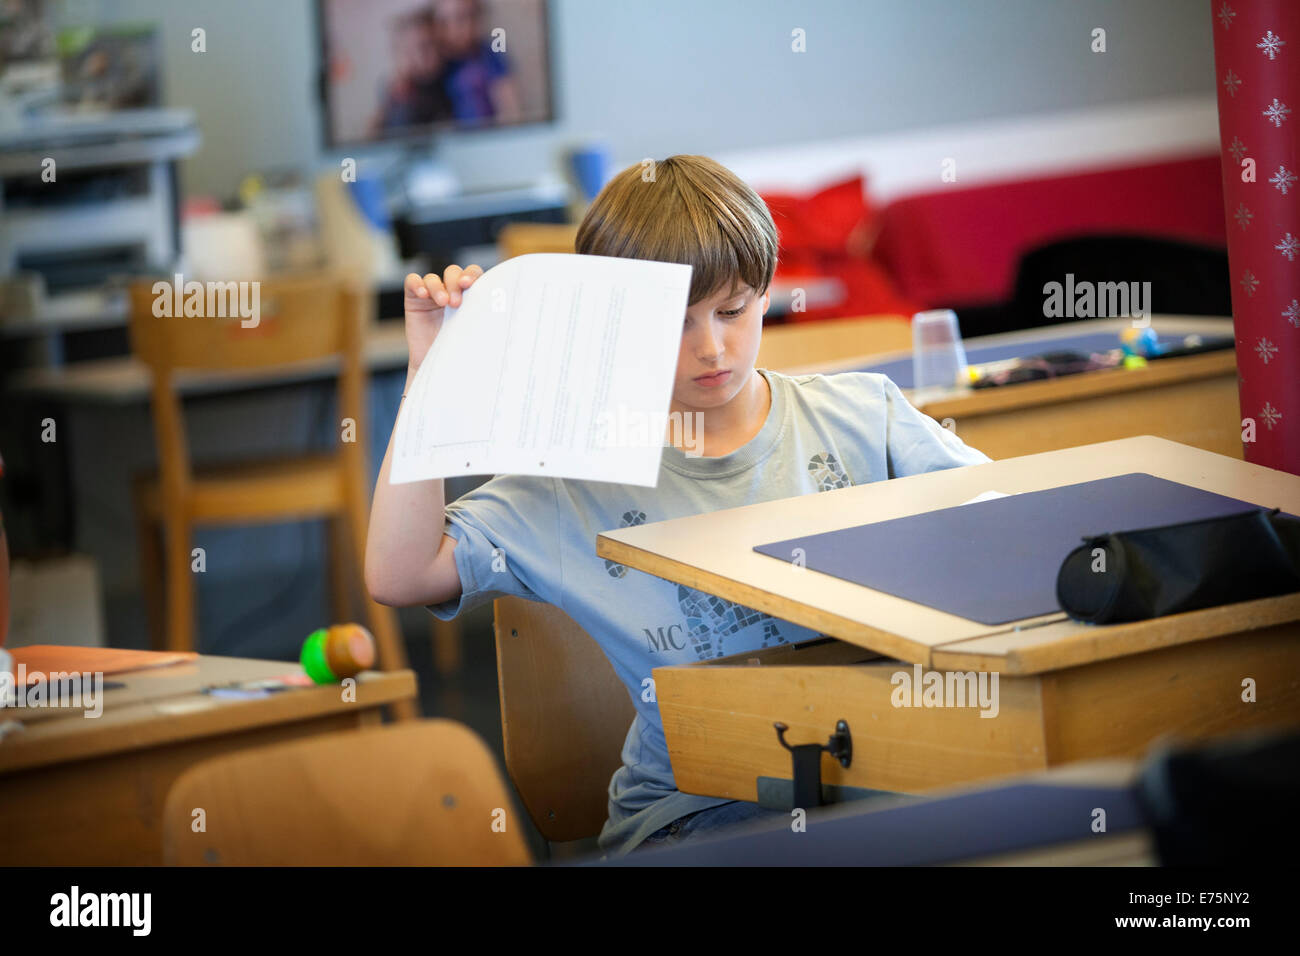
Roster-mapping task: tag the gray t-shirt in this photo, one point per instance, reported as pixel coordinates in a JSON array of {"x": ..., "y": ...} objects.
[{"x": 822, "y": 432}]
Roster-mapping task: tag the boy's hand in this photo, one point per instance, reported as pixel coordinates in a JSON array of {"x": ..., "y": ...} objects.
[{"x": 425, "y": 301}]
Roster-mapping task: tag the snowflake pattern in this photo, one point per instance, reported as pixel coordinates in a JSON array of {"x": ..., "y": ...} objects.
[
  {"x": 1238, "y": 149},
  {"x": 1292, "y": 313},
  {"x": 1230, "y": 83},
  {"x": 1243, "y": 216},
  {"x": 1270, "y": 415},
  {"x": 1283, "y": 179},
  {"x": 1276, "y": 113},
  {"x": 1249, "y": 283},
  {"x": 1265, "y": 350},
  {"x": 1225, "y": 15},
  {"x": 1271, "y": 44},
  {"x": 1288, "y": 247}
]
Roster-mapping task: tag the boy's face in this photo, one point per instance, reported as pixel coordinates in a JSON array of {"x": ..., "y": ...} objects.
[{"x": 721, "y": 334}]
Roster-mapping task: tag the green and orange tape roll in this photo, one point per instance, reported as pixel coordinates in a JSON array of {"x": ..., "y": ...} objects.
[{"x": 331, "y": 654}]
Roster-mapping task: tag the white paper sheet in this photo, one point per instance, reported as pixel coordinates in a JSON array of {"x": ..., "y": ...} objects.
[
  {"x": 986, "y": 496},
  {"x": 559, "y": 365}
]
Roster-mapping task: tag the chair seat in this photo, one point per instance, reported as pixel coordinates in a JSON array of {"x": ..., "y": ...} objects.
[{"x": 264, "y": 490}]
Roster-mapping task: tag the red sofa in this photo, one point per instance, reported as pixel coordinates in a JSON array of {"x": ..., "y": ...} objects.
[{"x": 960, "y": 245}]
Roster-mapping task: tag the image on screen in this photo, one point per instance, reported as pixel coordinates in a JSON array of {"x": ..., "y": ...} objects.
[{"x": 400, "y": 69}]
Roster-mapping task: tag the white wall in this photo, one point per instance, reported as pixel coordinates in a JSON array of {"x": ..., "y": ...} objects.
[{"x": 711, "y": 76}]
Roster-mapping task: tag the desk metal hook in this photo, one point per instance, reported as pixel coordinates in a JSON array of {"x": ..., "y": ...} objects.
[
  {"x": 806, "y": 762},
  {"x": 839, "y": 746}
]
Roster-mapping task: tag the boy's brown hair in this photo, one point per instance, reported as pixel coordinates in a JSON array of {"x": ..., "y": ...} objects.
[{"x": 687, "y": 209}]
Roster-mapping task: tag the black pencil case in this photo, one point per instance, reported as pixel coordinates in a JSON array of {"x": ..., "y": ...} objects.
[{"x": 1151, "y": 572}]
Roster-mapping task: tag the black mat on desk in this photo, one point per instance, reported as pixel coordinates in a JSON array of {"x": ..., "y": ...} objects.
[{"x": 996, "y": 561}]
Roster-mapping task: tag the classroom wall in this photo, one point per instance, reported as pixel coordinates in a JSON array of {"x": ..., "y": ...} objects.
[{"x": 696, "y": 75}]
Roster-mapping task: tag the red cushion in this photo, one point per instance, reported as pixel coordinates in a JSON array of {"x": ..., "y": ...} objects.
[
  {"x": 961, "y": 246},
  {"x": 826, "y": 235},
  {"x": 823, "y": 222}
]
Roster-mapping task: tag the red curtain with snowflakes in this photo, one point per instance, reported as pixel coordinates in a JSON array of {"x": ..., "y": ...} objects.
[{"x": 1257, "y": 64}]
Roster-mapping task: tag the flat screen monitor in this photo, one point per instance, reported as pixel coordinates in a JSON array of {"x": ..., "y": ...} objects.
[{"x": 407, "y": 69}]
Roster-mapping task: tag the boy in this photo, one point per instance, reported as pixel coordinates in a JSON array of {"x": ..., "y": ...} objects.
[{"x": 764, "y": 436}]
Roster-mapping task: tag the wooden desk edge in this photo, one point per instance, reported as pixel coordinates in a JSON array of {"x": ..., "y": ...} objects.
[
  {"x": 832, "y": 625},
  {"x": 125, "y": 380},
  {"x": 1048, "y": 651},
  {"x": 972, "y": 652},
  {"x": 1069, "y": 388},
  {"x": 385, "y": 687}
]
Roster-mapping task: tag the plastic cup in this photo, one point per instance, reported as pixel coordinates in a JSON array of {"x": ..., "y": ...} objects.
[{"x": 938, "y": 356}]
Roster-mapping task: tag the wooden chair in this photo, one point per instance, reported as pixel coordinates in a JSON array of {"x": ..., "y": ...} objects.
[
  {"x": 423, "y": 793},
  {"x": 564, "y": 716},
  {"x": 302, "y": 320}
]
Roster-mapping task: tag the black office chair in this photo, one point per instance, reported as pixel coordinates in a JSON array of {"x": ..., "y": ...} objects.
[{"x": 1186, "y": 278}]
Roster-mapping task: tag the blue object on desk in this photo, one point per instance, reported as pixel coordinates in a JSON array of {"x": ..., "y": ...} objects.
[
  {"x": 996, "y": 561},
  {"x": 900, "y": 370}
]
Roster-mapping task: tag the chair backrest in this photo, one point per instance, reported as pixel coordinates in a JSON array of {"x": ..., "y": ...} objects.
[
  {"x": 304, "y": 319},
  {"x": 1186, "y": 278},
  {"x": 521, "y": 238},
  {"x": 564, "y": 717},
  {"x": 420, "y": 793},
  {"x": 239, "y": 325}
]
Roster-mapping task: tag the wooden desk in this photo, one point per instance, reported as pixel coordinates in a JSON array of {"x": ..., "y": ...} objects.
[
  {"x": 80, "y": 791},
  {"x": 1193, "y": 399},
  {"x": 124, "y": 380},
  {"x": 804, "y": 345},
  {"x": 1068, "y": 691}
]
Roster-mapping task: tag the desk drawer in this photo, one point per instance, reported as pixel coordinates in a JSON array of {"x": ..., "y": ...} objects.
[{"x": 718, "y": 716}]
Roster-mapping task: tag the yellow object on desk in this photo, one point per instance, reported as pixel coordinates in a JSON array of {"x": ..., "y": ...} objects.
[{"x": 1190, "y": 399}]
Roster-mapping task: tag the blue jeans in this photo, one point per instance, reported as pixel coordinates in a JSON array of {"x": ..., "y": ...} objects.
[{"x": 709, "y": 822}]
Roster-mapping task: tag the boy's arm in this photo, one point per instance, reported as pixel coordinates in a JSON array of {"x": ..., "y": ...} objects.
[
  {"x": 409, "y": 556},
  {"x": 915, "y": 443}
]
